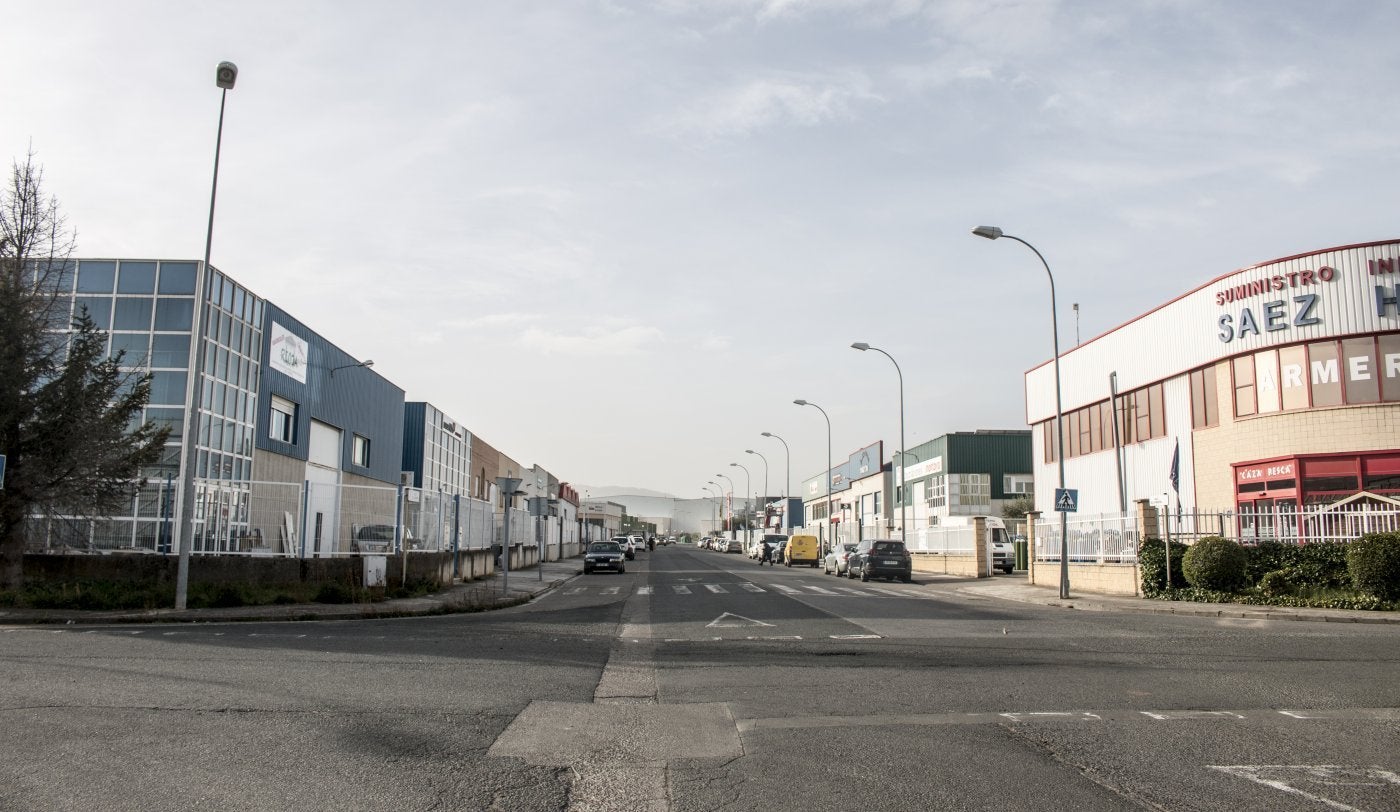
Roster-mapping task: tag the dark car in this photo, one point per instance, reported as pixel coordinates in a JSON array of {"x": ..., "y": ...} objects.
[
  {"x": 604, "y": 555},
  {"x": 881, "y": 558}
]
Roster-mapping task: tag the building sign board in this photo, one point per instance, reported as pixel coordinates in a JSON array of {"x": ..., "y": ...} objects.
[
  {"x": 287, "y": 353},
  {"x": 925, "y": 468},
  {"x": 1257, "y": 473}
]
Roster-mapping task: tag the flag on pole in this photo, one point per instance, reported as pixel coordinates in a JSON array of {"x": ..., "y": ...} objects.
[{"x": 1176, "y": 468}]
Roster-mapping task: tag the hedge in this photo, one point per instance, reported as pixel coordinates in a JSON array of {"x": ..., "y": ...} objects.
[
  {"x": 1374, "y": 564},
  {"x": 1215, "y": 563}
]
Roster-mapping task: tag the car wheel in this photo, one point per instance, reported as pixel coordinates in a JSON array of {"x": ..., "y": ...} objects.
[
  {"x": 621, "y": 570},
  {"x": 864, "y": 576}
]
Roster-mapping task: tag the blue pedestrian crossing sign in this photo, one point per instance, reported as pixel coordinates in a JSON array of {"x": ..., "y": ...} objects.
[{"x": 1067, "y": 500}]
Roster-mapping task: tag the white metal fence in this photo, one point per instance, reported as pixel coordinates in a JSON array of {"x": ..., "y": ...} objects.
[
  {"x": 1105, "y": 538},
  {"x": 943, "y": 540},
  {"x": 302, "y": 520},
  {"x": 1286, "y": 523}
]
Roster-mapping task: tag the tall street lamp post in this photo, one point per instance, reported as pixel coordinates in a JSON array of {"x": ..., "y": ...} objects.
[
  {"x": 787, "y": 483},
  {"x": 730, "y": 509},
  {"x": 719, "y": 497},
  {"x": 903, "y": 514},
  {"x": 993, "y": 233},
  {"x": 765, "y": 483},
  {"x": 225, "y": 75},
  {"x": 829, "y": 512},
  {"x": 748, "y": 490}
]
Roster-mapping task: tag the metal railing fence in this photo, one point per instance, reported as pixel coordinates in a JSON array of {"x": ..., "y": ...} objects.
[
  {"x": 943, "y": 540},
  {"x": 1285, "y": 523},
  {"x": 1104, "y": 538}
]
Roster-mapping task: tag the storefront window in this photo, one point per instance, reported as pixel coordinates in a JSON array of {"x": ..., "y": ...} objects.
[{"x": 1359, "y": 358}]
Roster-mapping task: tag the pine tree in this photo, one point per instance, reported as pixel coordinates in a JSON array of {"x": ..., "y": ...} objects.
[{"x": 69, "y": 414}]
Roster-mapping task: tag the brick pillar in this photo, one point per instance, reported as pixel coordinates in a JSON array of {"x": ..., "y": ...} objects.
[
  {"x": 1147, "y": 519},
  {"x": 979, "y": 531}
]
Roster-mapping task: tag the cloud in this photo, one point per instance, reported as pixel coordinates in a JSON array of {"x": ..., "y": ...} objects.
[
  {"x": 594, "y": 342},
  {"x": 804, "y": 101}
]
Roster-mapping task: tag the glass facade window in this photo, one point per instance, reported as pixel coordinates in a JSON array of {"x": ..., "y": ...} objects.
[
  {"x": 1326, "y": 374},
  {"x": 132, "y": 346},
  {"x": 168, "y": 387},
  {"x": 132, "y": 313},
  {"x": 171, "y": 351},
  {"x": 177, "y": 278},
  {"x": 99, "y": 309},
  {"x": 1343, "y": 372},
  {"x": 174, "y": 315},
  {"x": 1266, "y": 381},
  {"x": 359, "y": 451},
  {"x": 1205, "y": 402},
  {"x": 96, "y": 276},
  {"x": 137, "y": 277}
]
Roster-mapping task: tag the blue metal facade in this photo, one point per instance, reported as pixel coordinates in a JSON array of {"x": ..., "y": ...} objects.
[{"x": 356, "y": 400}]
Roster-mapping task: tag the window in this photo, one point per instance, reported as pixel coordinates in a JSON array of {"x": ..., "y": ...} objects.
[
  {"x": 282, "y": 419},
  {"x": 1244, "y": 386},
  {"x": 359, "y": 451},
  {"x": 1205, "y": 405},
  {"x": 1017, "y": 484}
]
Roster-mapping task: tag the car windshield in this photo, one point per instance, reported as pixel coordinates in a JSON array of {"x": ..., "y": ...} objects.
[
  {"x": 887, "y": 547},
  {"x": 850, "y": 548},
  {"x": 604, "y": 547}
]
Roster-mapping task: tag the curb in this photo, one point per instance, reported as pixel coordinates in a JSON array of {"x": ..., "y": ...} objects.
[{"x": 1217, "y": 610}]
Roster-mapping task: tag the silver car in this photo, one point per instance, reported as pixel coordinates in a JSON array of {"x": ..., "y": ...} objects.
[{"x": 838, "y": 560}]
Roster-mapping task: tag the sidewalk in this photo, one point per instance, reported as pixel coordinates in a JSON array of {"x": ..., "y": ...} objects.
[
  {"x": 472, "y": 596},
  {"x": 1022, "y": 592}
]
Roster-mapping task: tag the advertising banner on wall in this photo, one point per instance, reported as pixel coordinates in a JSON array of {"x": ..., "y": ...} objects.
[
  {"x": 287, "y": 353},
  {"x": 867, "y": 461}
]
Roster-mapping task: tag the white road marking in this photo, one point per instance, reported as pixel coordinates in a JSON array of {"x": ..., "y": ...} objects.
[
  {"x": 856, "y": 637},
  {"x": 717, "y": 589},
  {"x": 1166, "y": 716},
  {"x": 681, "y": 590},
  {"x": 789, "y": 590},
  {"x": 734, "y": 621},
  {"x": 643, "y": 590},
  {"x": 1325, "y": 774},
  {"x": 753, "y": 588},
  {"x": 576, "y": 590},
  {"x": 612, "y": 590},
  {"x": 887, "y": 592},
  {"x": 1021, "y": 717},
  {"x": 852, "y": 591},
  {"x": 820, "y": 591}
]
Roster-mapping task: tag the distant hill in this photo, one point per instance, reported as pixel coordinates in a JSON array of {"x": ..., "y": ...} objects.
[{"x": 609, "y": 491}]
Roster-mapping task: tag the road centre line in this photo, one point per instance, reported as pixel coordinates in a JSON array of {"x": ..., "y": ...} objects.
[{"x": 1042, "y": 717}]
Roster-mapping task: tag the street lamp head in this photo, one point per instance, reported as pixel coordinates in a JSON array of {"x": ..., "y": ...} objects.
[
  {"x": 990, "y": 232},
  {"x": 767, "y": 434},
  {"x": 800, "y": 402},
  {"x": 225, "y": 75},
  {"x": 860, "y": 345},
  {"x": 735, "y": 465}
]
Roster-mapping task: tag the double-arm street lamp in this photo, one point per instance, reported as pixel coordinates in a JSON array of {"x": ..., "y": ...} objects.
[
  {"x": 730, "y": 511},
  {"x": 764, "y": 504},
  {"x": 903, "y": 514},
  {"x": 993, "y": 233},
  {"x": 787, "y": 483},
  {"x": 748, "y": 489},
  {"x": 829, "y": 512}
]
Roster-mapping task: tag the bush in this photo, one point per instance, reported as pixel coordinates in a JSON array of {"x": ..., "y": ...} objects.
[
  {"x": 1374, "y": 564},
  {"x": 1320, "y": 564},
  {"x": 1276, "y": 584},
  {"x": 1153, "y": 566},
  {"x": 334, "y": 593},
  {"x": 1215, "y": 563}
]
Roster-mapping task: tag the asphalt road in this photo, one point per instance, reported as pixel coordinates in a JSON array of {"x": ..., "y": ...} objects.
[{"x": 701, "y": 681}]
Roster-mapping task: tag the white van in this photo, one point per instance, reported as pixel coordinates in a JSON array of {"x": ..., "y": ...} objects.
[{"x": 998, "y": 540}]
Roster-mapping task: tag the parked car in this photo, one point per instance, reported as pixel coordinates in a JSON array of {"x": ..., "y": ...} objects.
[
  {"x": 733, "y": 546},
  {"x": 837, "y": 561},
  {"x": 604, "y": 555},
  {"x": 802, "y": 549},
  {"x": 881, "y": 558},
  {"x": 625, "y": 543},
  {"x": 639, "y": 543}
]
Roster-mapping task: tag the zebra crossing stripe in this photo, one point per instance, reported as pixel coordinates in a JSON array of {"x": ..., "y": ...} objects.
[
  {"x": 852, "y": 591},
  {"x": 821, "y": 591},
  {"x": 887, "y": 592},
  {"x": 681, "y": 590},
  {"x": 789, "y": 590},
  {"x": 612, "y": 590},
  {"x": 717, "y": 589},
  {"x": 753, "y": 587},
  {"x": 643, "y": 590},
  {"x": 575, "y": 591}
]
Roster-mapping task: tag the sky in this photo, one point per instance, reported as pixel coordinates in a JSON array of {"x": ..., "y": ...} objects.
[{"x": 617, "y": 239}]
